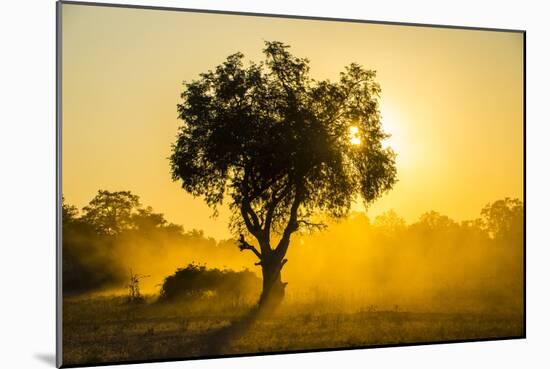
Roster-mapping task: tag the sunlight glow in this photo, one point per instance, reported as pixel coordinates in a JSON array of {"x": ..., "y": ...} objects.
[
  {"x": 354, "y": 135},
  {"x": 391, "y": 125}
]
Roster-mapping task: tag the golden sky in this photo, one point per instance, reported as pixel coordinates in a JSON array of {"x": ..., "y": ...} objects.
[{"x": 452, "y": 99}]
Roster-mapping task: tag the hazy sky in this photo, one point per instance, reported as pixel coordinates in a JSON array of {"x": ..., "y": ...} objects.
[{"x": 452, "y": 99}]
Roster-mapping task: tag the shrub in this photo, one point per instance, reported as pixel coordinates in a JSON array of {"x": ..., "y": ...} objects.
[{"x": 196, "y": 281}]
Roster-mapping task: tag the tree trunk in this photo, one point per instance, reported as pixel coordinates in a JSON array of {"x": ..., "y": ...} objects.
[{"x": 273, "y": 290}]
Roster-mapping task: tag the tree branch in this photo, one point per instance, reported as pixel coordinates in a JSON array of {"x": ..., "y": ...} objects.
[
  {"x": 271, "y": 209},
  {"x": 281, "y": 77},
  {"x": 243, "y": 245},
  {"x": 250, "y": 218},
  {"x": 258, "y": 191},
  {"x": 292, "y": 225},
  {"x": 307, "y": 224}
]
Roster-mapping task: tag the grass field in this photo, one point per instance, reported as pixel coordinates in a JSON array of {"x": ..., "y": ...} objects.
[{"x": 108, "y": 329}]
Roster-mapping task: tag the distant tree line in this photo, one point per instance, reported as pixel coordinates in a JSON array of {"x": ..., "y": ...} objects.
[
  {"x": 435, "y": 261},
  {"x": 91, "y": 258},
  {"x": 100, "y": 242}
]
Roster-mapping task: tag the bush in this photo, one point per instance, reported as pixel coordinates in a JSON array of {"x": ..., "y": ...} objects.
[{"x": 196, "y": 281}]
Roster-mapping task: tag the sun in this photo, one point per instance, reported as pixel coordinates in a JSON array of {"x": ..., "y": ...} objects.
[{"x": 354, "y": 136}]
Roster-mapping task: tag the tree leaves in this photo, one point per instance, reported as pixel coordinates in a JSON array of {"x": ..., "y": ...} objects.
[{"x": 276, "y": 143}]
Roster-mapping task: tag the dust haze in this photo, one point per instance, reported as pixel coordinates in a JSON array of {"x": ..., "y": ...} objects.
[{"x": 433, "y": 264}]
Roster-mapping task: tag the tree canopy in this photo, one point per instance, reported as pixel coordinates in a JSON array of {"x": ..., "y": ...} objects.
[
  {"x": 503, "y": 218},
  {"x": 111, "y": 212},
  {"x": 278, "y": 143}
]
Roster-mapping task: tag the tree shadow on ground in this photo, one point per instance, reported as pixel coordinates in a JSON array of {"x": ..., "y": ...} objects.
[{"x": 216, "y": 342}]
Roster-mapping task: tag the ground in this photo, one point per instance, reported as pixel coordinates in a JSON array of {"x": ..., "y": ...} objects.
[{"x": 110, "y": 330}]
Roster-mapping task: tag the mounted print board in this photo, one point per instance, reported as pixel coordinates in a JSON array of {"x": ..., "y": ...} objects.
[{"x": 241, "y": 184}]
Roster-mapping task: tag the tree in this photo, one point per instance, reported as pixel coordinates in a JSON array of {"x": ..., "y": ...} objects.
[
  {"x": 145, "y": 219},
  {"x": 433, "y": 220},
  {"x": 110, "y": 213},
  {"x": 69, "y": 213},
  {"x": 282, "y": 148},
  {"x": 96, "y": 240},
  {"x": 88, "y": 259},
  {"x": 503, "y": 219},
  {"x": 390, "y": 222}
]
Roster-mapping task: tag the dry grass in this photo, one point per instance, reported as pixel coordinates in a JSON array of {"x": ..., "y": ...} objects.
[{"x": 109, "y": 330}]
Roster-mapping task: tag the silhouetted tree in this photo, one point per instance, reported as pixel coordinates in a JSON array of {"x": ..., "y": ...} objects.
[
  {"x": 69, "y": 213},
  {"x": 503, "y": 218},
  {"x": 145, "y": 219},
  {"x": 93, "y": 238},
  {"x": 434, "y": 220},
  {"x": 111, "y": 212},
  {"x": 88, "y": 262},
  {"x": 390, "y": 222},
  {"x": 282, "y": 147}
]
